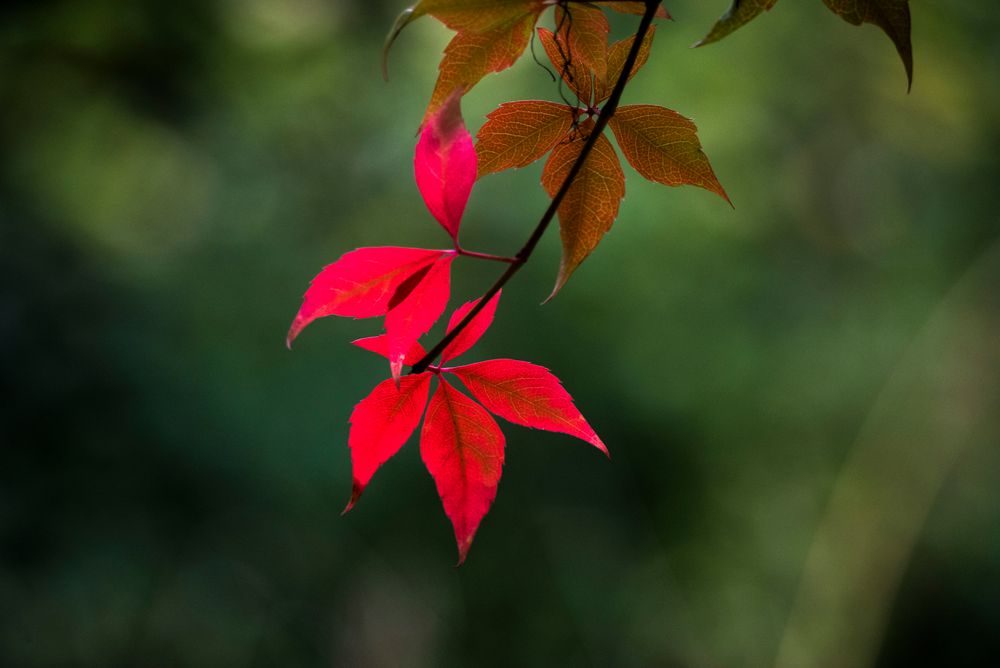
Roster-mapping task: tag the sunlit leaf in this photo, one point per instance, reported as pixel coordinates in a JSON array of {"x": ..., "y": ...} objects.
[
  {"x": 585, "y": 32},
  {"x": 381, "y": 423},
  {"x": 528, "y": 395},
  {"x": 576, "y": 75},
  {"x": 475, "y": 329},
  {"x": 444, "y": 164},
  {"x": 591, "y": 204},
  {"x": 518, "y": 133},
  {"x": 663, "y": 146},
  {"x": 410, "y": 319},
  {"x": 360, "y": 284},
  {"x": 463, "y": 449}
]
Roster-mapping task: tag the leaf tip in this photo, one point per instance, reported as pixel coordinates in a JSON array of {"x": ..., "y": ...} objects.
[
  {"x": 599, "y": 444},
  {"x": 293, "y": 332},
  {"x": 356, "y": 489}
]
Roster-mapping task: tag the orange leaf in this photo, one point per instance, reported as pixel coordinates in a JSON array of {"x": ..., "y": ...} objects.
[
  {"x": 479, "y": 15},
  {"x": 470, "y": 56},
  {"x": 663, "y": 146},
  {"x": 617, "y": 55},
  {"x": 585, "y": 29},
  {"x": 634, "y": 7},
  {"x": 591, "y": 204},
  {"x": 573, "y": 72},
  {"x": 518, "y": 133}
]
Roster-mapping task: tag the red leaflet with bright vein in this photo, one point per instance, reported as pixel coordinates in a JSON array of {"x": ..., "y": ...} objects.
[
  {"x": 468, "y": 336},
  {"x": 526, "y": 394},
  {"x": 360, "y": 284},
  {"x": 417, "y": 312},
  {"x": 461, "y": 444},
  {"x": 380, "y": 346},
  {"x": 380, "y": 425},
  {"x": 463, "y": 449},
  {"x": 445, "y": 164}
]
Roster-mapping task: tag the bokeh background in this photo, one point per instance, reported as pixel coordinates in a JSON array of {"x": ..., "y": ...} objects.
[{"x": 800, "y": 395}]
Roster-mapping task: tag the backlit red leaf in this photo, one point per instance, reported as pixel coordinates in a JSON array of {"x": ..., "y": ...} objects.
[
  {"x": 518, "y": 133},
  {"x": 591, "y": 204},
  {"x": 360, "y": 284},
  {"x": 573, "y": 71},
  {"x": 475, "y": 329},
  {"x": 380, "y": 346},
  {"x": 380, "y": 425},
  {"x": 463, "y": 449},
  {"x": 413, "y": 316},
  {"x": 526, "y": 394},
  {"x": 445, "y": 164},
  {"x": 663, "y": 146}
]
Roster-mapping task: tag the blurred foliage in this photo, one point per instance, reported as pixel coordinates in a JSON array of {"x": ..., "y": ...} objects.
[{"x": 800, "y": 396}]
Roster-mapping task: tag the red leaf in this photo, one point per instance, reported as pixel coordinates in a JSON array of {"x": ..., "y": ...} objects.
[
  {"x": 360, "y": 284},
  {"x": 380, "y": 346},
  {"x": 445, "y": 164},
  {"x": 380, "y": 425},
  {"x": 468, "y": 336},
  {"x": 462, "y": 447},
  {"x": 417, "y": 313},
  {"x": 526, "y": 394}
]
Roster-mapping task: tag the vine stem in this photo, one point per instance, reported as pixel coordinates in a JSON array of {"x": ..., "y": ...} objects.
[{"x": 524, "y": 254}]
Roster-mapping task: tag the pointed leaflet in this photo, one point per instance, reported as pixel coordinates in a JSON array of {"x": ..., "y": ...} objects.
[
  {"x": 518, "y": 133},
  {"x": 617, "y": 55},
  {"x": 381, "y": 423},
  {"x": 585, "y": 30},
  {"x": 475, "y": 329},
  {"x": 462, "y": 447},
  {"x": 380, "y": 346},
  {"x": 410, "y": 319},
  {"x": 528, "y": 395},
  {"x": 470, "y": 56},
  {"x": 892, "y": 16},
  {"x": 445, "y": 164},
  {"x": 360, "y": 284},
  {"x": 465, "y": 16},
  {"x": 663, "y": 146},
  {"x": 573, "y": 71},
  {"x": 591, "y": 204},
  {"x": 739, "y": 14}
]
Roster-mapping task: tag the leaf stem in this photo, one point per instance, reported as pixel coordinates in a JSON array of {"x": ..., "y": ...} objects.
[
  {"x": 529, "y": 246},
  {"x": 485, "y": 256}
]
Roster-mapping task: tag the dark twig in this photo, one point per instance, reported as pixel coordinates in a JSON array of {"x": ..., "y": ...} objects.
[{"x": 522, "y": 255}]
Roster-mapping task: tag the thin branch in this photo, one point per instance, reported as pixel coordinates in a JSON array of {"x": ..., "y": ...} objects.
[{"x": 607, "y": 111}]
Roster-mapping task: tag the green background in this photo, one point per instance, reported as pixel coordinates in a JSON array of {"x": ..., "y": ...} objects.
[{"x": 800, "y": 395}]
